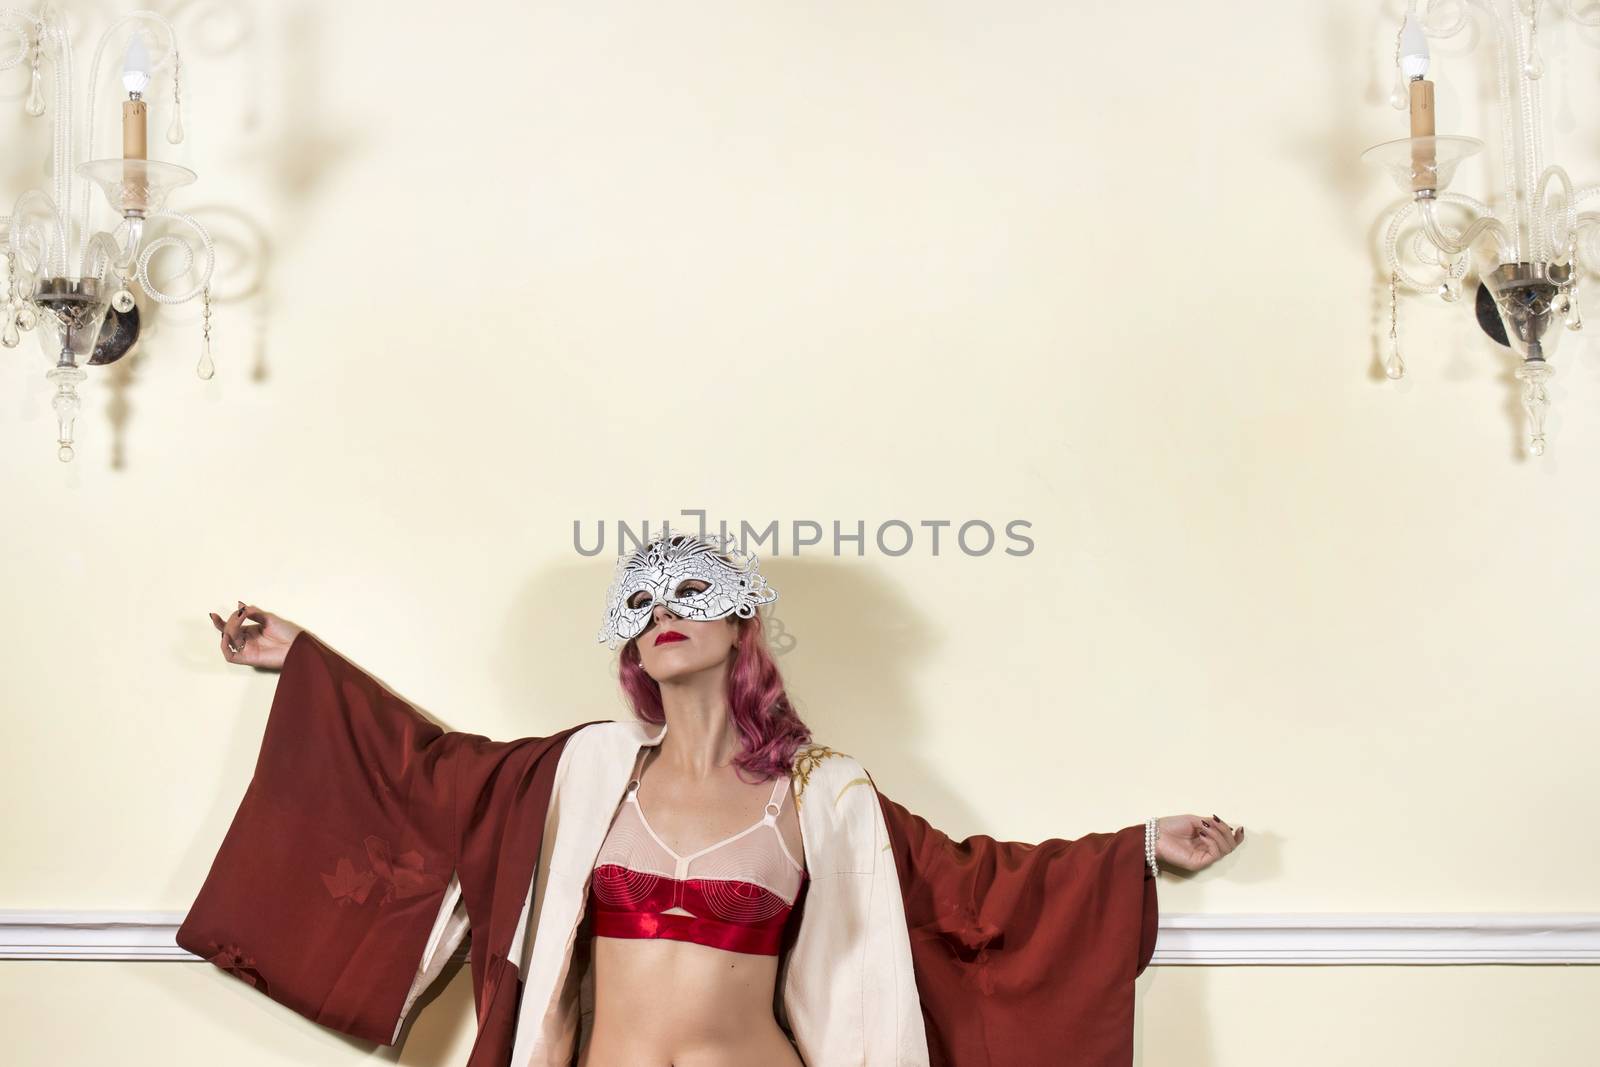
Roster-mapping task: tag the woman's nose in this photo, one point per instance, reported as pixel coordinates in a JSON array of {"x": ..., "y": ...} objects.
[{"x": 660, "y": 612}]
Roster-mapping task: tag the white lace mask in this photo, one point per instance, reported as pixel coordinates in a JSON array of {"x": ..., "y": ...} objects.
[{"x": 658, "y": 572}]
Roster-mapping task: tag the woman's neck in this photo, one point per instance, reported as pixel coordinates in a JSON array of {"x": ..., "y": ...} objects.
[{"x": 700, "y": 737}]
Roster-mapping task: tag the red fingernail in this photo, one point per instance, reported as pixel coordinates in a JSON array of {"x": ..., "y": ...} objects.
[{"x": 1205, "y": 822}]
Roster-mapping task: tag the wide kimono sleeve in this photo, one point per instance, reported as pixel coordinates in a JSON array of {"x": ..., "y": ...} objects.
[
  {"x": 1025, "y": 954},
  {"x": 367, "y": 841}
]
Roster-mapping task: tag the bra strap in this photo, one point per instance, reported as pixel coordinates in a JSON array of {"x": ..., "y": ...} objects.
[
  {"x": 779, "y": 791},
  {"x": 638, "y": 765}
]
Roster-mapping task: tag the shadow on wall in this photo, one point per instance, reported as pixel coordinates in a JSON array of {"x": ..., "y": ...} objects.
[{"x": 845, "y": 640}]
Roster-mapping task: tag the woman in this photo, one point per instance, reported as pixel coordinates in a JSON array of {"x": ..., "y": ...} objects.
[{"x": 697, "y": 887}]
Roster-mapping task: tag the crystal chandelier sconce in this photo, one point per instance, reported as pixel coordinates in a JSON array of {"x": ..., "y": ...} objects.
[
  {"x": 83, "y": 294},
  {"x": 1539, "y": 241}
]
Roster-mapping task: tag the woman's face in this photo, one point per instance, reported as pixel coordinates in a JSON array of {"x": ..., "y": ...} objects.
[{"x": 673, "y": 648}]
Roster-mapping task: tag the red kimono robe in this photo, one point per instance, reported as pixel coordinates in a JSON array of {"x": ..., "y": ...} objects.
[{"x": 370, "y": 840}]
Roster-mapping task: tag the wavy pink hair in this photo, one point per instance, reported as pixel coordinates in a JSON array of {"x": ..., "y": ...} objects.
[{"x": 769, "y": 730}]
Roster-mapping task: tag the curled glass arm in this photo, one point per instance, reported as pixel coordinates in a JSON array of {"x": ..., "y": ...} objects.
[
  {"x": 1466, "y": 238},
  {"x": 1586, "y": 15},
  {"x": 104, "y": 250},
  {"x": 208, "y": 252},
  {"x": 36, "y": 227},
  {"x": 20, "y": 26},
  {"x": 1563, "y": 218},
  {"x": 1432, "y": 21}
]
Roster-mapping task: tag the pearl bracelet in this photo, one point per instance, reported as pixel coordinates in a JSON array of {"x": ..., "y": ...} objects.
[{"x": 1150, "y": 845}]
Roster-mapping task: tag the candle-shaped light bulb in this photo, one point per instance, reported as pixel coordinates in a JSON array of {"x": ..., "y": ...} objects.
[
  {"x": 136, "y": 66},
  {"x": 1414, "y": 66},
  {"x": 1413, "y": 50},
  {"x": 135, "y": 79}
]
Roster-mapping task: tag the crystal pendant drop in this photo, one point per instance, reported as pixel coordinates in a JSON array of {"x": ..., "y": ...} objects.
[
  {"x": 1400, "y": 96},
  {"x": 1394, "y": 366},
  {"x": 35, "y": 104},
  {"x": 9, "y": 336},
  {"x": 1534, "y": 67},
  {"x": 122, "y": 300},
  {"x": 175, "y": 127},
  {"x": 1450, "y": 290},
  {"x": 205, "y": 368},
  {"x": 26, "y": 317}
]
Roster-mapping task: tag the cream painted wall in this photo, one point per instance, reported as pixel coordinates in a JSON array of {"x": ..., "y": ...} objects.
[{"x": 1106, "y": 268}]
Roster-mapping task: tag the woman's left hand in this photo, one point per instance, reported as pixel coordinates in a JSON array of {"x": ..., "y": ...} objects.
[{"x": 1194, "y": 843}]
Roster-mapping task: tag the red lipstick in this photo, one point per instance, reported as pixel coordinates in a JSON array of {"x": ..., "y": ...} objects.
[{"x": 669, "y": 635}]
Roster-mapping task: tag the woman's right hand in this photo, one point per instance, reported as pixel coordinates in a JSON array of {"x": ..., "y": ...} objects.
[{"x": 255, "y": 646}]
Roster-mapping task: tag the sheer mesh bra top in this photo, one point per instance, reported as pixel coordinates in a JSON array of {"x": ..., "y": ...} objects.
[{"x": 736, "y": 894}]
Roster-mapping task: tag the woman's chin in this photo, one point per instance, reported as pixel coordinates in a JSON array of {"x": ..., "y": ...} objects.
[{"x": 672, "y": 663}]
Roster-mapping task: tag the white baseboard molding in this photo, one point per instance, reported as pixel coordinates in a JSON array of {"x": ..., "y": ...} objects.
[
  {"x": 100, "y": 935},
  {"x": 1379, "y": 938},
  {"x": 1184, "y": 939}
]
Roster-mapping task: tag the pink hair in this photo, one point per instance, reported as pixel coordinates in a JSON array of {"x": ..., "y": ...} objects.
[{"x": 769, "y": 730}]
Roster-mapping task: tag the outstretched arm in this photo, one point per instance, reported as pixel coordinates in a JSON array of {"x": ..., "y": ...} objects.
[
  {"x": 364, "y": 825},
  {"x": 1025, "y": 953}
]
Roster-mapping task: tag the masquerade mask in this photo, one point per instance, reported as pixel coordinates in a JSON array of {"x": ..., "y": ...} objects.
[{"x": 656, "y": 572}]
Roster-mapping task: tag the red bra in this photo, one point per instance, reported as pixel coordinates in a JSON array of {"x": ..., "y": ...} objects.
[{"x": 736, "y": 894}]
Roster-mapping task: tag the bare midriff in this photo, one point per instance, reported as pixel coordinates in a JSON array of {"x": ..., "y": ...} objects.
[{"x": 665, "y": 1003}]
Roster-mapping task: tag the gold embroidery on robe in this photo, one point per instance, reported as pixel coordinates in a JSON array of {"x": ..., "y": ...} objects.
[{"x": 805, "y": 761}]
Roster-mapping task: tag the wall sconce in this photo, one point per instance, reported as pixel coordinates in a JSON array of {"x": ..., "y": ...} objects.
[
  {"x": 84, "y": 293},
  {"x": 1540, "y": 241}
]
